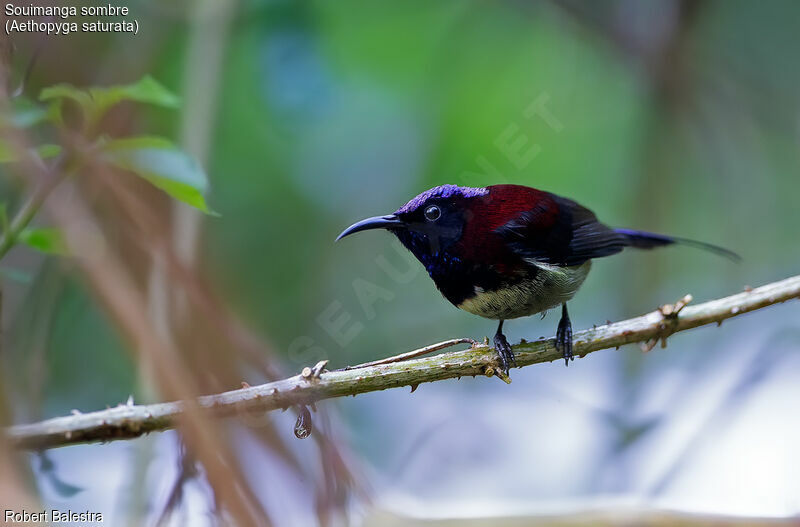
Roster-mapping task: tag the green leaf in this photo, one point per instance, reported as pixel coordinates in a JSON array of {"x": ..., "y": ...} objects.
[
  {"x": 46, "y": 240},
  {"x": 9, "y": 155},
  {"x": 139, "y": 142},
  {"x": 94, "y": 102},
  {"x": 65, "y": 91},
  {"x": 59, "y": 92},
  {"x": 147, "y": 90},
  {"x": 158, "y": 161},
  {"x": 47, "y": 151}
]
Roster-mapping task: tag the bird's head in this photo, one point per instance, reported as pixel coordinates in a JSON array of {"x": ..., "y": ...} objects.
[{"x": 431, "y": 222}]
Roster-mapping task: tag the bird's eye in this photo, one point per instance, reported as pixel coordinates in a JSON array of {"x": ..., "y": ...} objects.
[{"x": 433, "y": 213}]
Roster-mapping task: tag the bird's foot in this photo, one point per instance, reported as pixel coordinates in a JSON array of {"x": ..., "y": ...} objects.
[
  {"x": 503, "y": 349},
  {"x": 564, "y": 338}
]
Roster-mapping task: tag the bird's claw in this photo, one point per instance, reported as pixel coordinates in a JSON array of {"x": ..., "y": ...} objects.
[
  {"x": 564, "y": 340},
  {"x": 504, "y": 352}
]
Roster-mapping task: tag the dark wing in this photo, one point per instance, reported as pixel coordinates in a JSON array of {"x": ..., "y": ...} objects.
[{"x": 558, "y": 231}]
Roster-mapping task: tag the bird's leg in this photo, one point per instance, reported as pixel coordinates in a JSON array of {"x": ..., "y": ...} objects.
[
  {"x": 503, "y": 349},
  {"x": 564, "y": 335}
]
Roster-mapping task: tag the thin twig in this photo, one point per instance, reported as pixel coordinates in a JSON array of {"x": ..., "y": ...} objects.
[
  {"x": 126, "y": 422},
  {"x": 29, "y": 209},
  {"x": 415, "y": 353}
]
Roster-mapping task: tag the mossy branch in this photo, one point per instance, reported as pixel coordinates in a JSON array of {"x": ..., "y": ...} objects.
[{"x": 315, "y": 384}]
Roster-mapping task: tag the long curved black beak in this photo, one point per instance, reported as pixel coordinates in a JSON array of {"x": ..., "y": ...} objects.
[{"x": 377, "y": 222}]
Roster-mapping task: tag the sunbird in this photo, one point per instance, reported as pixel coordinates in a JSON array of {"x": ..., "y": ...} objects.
[{"x": 510, "y": 251}]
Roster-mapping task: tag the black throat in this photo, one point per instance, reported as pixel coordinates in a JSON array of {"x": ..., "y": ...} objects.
[{"x": 455, "y": 277}]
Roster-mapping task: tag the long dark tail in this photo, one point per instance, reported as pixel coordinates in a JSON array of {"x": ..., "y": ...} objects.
[{"x": 648, "y": 240}]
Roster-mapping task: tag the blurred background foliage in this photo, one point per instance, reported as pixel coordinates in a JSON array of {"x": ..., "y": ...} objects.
[{"x": 680, "y": 117}]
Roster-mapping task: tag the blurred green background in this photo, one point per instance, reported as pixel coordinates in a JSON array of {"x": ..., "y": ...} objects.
[{"x": 670, "y": 116}]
